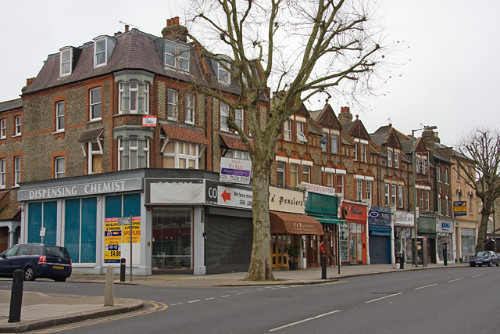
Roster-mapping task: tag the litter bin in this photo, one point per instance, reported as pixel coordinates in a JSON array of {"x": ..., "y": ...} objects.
[{"x": 400, "y": 258}]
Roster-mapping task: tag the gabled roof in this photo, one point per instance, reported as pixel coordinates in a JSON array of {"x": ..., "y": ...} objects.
[
  {"x": 356, "y": 129},
  {"x": 386, "y": 135},
  {"x": 326, "y": 118}
]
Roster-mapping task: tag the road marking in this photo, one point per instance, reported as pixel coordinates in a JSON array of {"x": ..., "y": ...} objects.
[
  {"x": 426, "y": 286},
  {"x": 157, "y": 306},
  {"x": 193, "y": 301},
  {"x": 176, "y": 304},
  {"x": 377, "y": 299},
  {"x": 477, "y": 275},
  {"x": 211, "y": 298},
  {"x": 302, "y": 321},
  {"x": 456, "y": 279},
  {"x": 225, "y": 296}
]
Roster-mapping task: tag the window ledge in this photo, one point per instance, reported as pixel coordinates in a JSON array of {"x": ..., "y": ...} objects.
[{"x": 95, "y": 120}]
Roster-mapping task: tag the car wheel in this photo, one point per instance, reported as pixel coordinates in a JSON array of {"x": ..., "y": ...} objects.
[
  {"x": 489, "y": 264},
  {"x": 60, "y": 279},
  {"x": 29, "y": 274}
]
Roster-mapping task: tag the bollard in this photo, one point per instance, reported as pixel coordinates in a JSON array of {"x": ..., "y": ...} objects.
[
  {"x": 16, "y": 296},
  {"x": 323, "y": 267},
  {"x": 445, "y": 254},
  {"x": 109, "y": 289},
  {"x": 123, "y": 266}
]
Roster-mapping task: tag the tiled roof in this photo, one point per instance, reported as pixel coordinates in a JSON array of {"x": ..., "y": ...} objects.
[
  {"x": 184, "y": 133},
  {"x": 233, "y": 142},
  {"x": 89, "y": 135},
  {"x": 10, "y": 211}
]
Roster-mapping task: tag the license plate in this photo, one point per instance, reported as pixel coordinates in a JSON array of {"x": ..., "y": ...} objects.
[{"x": 58, "y": 267}]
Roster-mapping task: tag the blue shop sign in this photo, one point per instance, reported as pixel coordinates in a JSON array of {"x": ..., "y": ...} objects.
[{"x": 379, "y": 216}]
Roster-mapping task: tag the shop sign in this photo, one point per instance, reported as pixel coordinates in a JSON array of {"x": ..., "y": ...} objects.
[
  {"x": 82, "y": 189},
  {"x": 235, "y": 170},
  {"x": 379, "y": 216},
  {"x": 444, "y": 226},
  {"x": 460, "y": 208},
  {"x": 222, "y": 195},
  {"x": 316, "y": 188},
  {"x": 176, "y": 192},
  {"x": 354, "y": 212},
  {"x": 286, "y": 200},
  {"x": 402, "y": 218}
]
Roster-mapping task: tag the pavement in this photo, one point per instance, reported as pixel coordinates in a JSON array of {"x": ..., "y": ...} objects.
[{"x": 66, "y": 309}]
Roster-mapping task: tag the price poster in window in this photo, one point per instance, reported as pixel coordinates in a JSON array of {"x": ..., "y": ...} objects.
[{"x": 112, "y": 241}]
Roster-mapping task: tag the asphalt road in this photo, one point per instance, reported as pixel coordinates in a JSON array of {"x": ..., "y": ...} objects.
[{"x": 455, "y": 300}]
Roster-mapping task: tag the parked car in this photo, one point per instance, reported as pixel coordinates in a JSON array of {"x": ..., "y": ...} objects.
[
  {"x": 37, "y": 261},
  {"x": 487, "y": 258}
]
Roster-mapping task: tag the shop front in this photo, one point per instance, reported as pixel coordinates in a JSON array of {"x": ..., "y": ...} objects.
[
  {"x": 324, "y": 208},
  {"x": 445, "y": 245},
  {"x": 426, "y": 224},
  {"x": 291, "y": 229},
  {"x": 403, "y": 232},
  {"x": 353, "y": 234},
  {"x": 380, "y": 233}
]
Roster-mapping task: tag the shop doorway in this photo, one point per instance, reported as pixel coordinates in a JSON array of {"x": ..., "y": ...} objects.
[
  {"x": 312, "y": 251},
  {"x": 279, "y": 256}
]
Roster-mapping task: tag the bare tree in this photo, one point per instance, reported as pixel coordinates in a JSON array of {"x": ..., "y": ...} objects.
[
  {"x": 483, "y": 148},
  {"x": 299, "y": 48}
]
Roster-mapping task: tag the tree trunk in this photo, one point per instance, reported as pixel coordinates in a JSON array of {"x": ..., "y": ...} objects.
[
  {"x": 481, "y": 235},
  {"x": 260, "y": 264}
]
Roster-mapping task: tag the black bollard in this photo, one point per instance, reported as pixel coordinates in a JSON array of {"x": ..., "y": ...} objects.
[
  {"x": 123, "y": 266},
  {"x": 16, "y": 296},
  {"x": 445, "y": 254},
  {"x": 323, "y": 267}
]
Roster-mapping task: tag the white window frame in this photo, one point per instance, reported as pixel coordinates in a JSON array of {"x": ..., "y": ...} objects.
[
  {"x": 387, "y": 193},
  {"x": 98, "y": 53},
  {"x": 92, "y": 153},
  {"x": 359, "y": 189},
  {"x": 17, "y": 126},
  {"x": 280, "y": 173},
  {"x": 438, "y": 173},
  {"x": 65, "y": 62},
  {"x": 446, "y": 206},
  {"x": 58, "y": 173},
  {"x": 334, "y": 142},
  {"x": 446, "y": 175},
  {"x": 3, "y": 172},
  {"x": 178, "y": 59},
  {"x": 121, "y": 151},
  {"x": 133, "y": 96},
  {"x": 94, "y": 104},
  {"x": 3, "y": 128},
  {"x": 355, "y": 151},
  {"x": 301, "y": 137},
  {"x": 369, "y": 190},
  {"x": 439, "y": 208},
  {"x": 223, "y": 75},
  {"x": 329, "y": 180},
  {"x": 287, "y": 130},
  {"x": 364, "y": 148},
  {"x": 294, "y": 175},
  {"x": 60, "y": 113},
  {"x": 17, "y": 170},
  {"x": 339, "y": 185},
  {"x": 421, "y": 198},
  {"x": 389, "y": 159},
  {"x": 178, "y": 156},
  {"x": 189, "y": 108},
  {"x": 238, "y": 118},
  {"x": 393, "y": 194},
  {"x": 172, "y": 104},
  {"x": 400, "y": 197},
  {"x": 396, "y": 160},
  {"x": 224, "y": 114},
  {"x": 306, "y": 173}
]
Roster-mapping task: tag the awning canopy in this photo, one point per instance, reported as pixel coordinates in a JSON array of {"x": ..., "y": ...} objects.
[
  {"x": 326, "y": 219},
  {"x": 293, "y": 223}
]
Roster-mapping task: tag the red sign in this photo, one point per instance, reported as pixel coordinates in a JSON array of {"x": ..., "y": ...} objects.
[
  {"x": 354, "y": 212},
  {"x": 149, "y": 120}
]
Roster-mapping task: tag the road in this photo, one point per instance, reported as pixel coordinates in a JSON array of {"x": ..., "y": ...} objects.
[{"x": 455, "y": 300}]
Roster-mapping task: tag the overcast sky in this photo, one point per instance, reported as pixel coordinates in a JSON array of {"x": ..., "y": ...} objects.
[{"x": 449, "y": 77}]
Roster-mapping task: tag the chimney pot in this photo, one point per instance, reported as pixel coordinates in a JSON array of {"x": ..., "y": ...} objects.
[{"x": 126, "y": 28}]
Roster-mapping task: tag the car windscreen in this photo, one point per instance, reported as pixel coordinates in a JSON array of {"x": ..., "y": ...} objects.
[{"x": 57, "y": 251}]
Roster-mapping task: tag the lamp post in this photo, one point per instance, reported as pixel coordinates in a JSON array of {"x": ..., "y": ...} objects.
[{"x": 415, "y": 243}]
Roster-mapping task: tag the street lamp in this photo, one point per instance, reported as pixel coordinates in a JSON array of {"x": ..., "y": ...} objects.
[{"x": 415, "y": 250}]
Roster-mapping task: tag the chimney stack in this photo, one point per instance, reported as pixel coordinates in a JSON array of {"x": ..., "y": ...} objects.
[
  {"x": 126, "y": 28},
  {"x": 175, "y": 30},
  {"x": 345, "y": 115}
]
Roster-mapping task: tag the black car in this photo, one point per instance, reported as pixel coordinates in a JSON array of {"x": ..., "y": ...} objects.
[
  {"x": 37, "y": 261},
  {"x": 487, "y": 258}
]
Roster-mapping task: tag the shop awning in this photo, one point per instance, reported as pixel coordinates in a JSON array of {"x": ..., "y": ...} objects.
[
  {"x": 326, "y": 219},
  {"x": 293, "y": 223}
]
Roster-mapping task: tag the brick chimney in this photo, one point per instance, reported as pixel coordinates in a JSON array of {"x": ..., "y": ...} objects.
[
  {"x": 345, "y": 115},
  {"x": 175, "y": 30},
  {"x": 430, "y": 137}
]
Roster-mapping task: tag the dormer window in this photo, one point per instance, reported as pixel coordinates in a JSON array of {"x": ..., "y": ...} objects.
[
  {"x": 389, "y": 158},
  {"x": 66, "y": 57},
  {"x": 300, "y": 132},
  {"x": 100, "y": 48},
  {"x": 223, "y": 73},
  {"x": 177, "y": 56}
]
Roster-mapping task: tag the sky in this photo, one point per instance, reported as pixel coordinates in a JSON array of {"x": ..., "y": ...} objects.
[{"x": 445, "y": 73}]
